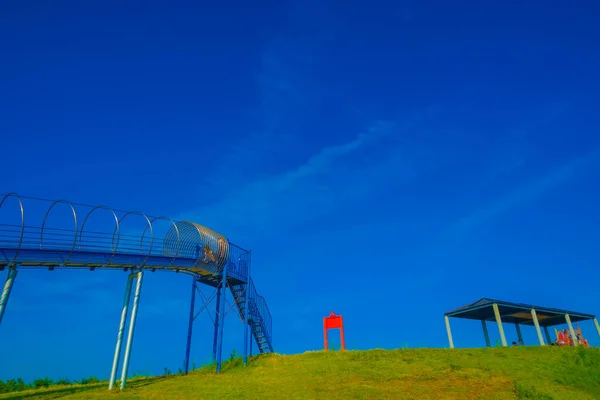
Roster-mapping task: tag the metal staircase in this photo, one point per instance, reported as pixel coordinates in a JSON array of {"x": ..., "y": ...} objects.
[{"x": 259, "y": 316}]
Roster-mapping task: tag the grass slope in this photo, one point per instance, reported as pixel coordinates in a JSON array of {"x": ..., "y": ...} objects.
[{"x": 420, "y": 374}]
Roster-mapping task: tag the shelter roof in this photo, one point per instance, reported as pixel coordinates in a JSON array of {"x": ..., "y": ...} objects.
[{"x": 515, "y": 313}]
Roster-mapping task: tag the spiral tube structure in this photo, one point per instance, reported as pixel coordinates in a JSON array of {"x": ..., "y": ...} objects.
[{"x": 192, "y": 240}]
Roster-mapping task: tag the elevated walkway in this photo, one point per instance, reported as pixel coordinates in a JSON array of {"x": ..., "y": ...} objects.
[{"x": 40, "y": 233}]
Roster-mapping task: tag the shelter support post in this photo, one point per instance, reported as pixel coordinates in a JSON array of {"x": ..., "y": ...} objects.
[
  {"x": 188, "y": 345},
  {"x": 597, "y": 326},
  {"x": 10, "y": 279},
  {"x": 537, "y": 327},
  {"x": 134, "y": 308},
  {"x": 486, "y": 333},
  {"x": 548, "y": 338},
  {"x": 216, "y": 333},
  {"x": 115, "y": 365},
  {"x": 519, "y": 334},
  {"x": 571, "y": 330},
  {"x": 222, "y": 318},
  {"x": 499, "y": 321},
  {"x": 449, "y": 331}
]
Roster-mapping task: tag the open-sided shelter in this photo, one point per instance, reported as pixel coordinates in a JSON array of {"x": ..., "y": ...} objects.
[{"x": 519, "y": 314}]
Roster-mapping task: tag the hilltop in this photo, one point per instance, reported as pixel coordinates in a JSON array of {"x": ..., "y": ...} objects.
[{"x": 496, "y": 373}]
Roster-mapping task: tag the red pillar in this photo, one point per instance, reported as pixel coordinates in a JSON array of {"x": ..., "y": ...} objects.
[
  {"x": 342, "y": 333},
  {"x": 325, "y": 334}
]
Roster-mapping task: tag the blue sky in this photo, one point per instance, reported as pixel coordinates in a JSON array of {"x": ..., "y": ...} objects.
[{"x": 388, "y": 161}]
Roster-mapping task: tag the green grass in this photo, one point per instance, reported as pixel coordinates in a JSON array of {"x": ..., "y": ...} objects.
[{"x": 420, "y": 374}]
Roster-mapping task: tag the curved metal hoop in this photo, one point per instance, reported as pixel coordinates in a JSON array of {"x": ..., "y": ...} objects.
[
  {"x": 148, "y": 225},
  {"x": 118, "y": 230},
  {"x": 22, "y": 223},
  {"x": 74, "y": 233},
  {"x": 178, "y": 237}
]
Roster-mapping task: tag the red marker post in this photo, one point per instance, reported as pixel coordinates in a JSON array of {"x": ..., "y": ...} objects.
[{"x": 333, "y": 322}]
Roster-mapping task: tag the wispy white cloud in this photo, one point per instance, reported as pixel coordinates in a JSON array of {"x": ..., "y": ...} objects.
[
  {"x": 330, "y": 180},
  {"x": 286, "y": 93},
  {"x": 269, "y": 179},
  {"x": 327, "y": 156},
  {"x": 525, "y": 193}
]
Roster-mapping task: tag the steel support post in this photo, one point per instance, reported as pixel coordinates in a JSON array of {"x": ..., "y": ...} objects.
[
  {"x": 449, "y": 331},
  {"x": 246, "y": 306},
  {"x": 222, "y": 318},
  {"x": 188, "y": 345},
  {"x": 548, "y": 338},
  {"x": 597, "y": 326},
  {"x": 134, "y": 308},
  {"x": 115, "y": 365},
  {"x": 10, "y": 279},
  {"x": 216, "y": 333},
  {"x": 342, "y": 339},
  {"x": 251, "y": 340},
  {"x": 486, "y": 333},
  {"x": 571, "y": 330},
  {"x": 499, "y": 322},
  {"x": 537, "y": 327},
  {"x": 325, "y": 337},
  {"x": 519, "y": 334}
]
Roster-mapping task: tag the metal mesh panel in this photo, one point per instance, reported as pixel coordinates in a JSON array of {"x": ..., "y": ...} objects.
[{"x": 192, "y": 240}]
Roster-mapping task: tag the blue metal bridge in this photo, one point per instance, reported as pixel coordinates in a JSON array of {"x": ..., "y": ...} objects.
[{"x": 40, "y": 233}]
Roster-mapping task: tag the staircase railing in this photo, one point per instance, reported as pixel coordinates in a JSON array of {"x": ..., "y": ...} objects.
[
  {"x": 238, "y": 262},
  {"x": 261, "y": 310}
]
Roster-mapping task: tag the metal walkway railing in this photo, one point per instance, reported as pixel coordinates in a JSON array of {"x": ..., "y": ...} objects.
[{"x": 37, "y": 232}]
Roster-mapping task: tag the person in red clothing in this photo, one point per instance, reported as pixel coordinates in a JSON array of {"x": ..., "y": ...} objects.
[{"x": 561, "y": 338}]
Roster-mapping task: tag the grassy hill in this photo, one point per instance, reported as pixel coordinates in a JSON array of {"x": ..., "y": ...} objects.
[{"x": 420, "y": 374}]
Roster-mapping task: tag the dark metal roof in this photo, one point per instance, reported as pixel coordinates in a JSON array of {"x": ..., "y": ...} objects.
[{"x": 515, "y": 313}]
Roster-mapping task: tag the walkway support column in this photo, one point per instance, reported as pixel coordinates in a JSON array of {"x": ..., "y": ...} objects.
[
  {"x": 134, "y": 308},
  {"x": 115, "y": 365},
  {"x": 217, "y": 313},
  {"x": 188, "y": 345},
  {"x": 10, "y": 279},
  {"x": 571, "y": 330},
  {"x": 222, "y": 318},
  {"x": 537, "y": 327},
  {"x": 499, "y": 322},
  {"x": 597, "y": 326},
  {"x": 519, "y": 334},
  {"x": 246, "y": 306},
  {"x": 486, "y": 333},
  {"x": 548, "y": 338},
  {"x": 449, "y": 331}
]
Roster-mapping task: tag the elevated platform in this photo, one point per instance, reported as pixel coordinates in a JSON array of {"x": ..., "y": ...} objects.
[
  {"x": 51, "y": 259},
  {"x": 40, "y": 233}
]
